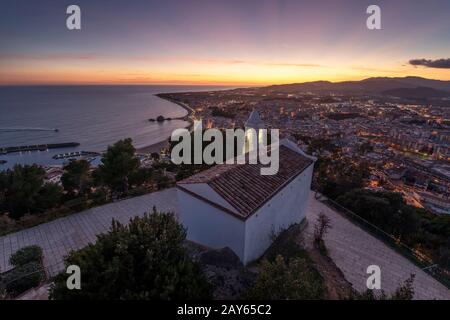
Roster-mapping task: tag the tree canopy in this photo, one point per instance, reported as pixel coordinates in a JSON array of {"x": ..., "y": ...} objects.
[
  {"x": 22, "y": 191},
  {"x": 76, "y": 176},
  {"x": 294, "y": 280},
  {"x": 142, "y": 260},
  {"x": 386, "y": 210},
  {"x": 336, "y": 176},
  {"x": 118, "y": 164}
]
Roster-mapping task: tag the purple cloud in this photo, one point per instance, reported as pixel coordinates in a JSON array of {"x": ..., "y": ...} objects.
[{"x": 438, "y": 63}]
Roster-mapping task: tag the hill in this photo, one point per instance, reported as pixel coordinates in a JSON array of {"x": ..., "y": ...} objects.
[
  {"x": 417, "y": 93},
  {"x": 379, "y": 85}
]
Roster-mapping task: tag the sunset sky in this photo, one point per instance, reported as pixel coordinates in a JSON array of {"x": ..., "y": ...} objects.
[{"x": 230, "y": 42}]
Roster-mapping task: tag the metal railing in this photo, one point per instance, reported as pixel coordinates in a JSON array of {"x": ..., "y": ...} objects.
[
  {"x": 47, "y": 273},
  {"x": 419, "y": 259}
]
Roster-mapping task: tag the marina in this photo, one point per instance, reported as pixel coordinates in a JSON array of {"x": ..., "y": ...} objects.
[
  {"x": 19, "y": 129},
  {"x": 94, "y": 120},
  {"x": 38, "y": 147},
  {"x": 75, "y": 154}
]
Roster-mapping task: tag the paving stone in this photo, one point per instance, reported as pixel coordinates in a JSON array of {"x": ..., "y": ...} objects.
[
  {"x": 57, "y": 238},
  {"x": 353, "y": 250}
]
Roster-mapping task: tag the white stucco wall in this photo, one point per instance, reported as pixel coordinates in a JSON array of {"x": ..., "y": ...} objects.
[
  {"x": 287, "y": 207},
  {"x": 210, "y": 226}
]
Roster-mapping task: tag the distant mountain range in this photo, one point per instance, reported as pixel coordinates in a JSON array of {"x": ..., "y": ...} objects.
[
  {"x": 407, "y": 87},
  {"x": 417, "y": 93}
]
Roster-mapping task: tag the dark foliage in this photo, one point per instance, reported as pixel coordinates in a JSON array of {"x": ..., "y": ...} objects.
[
  {"x": 23, "y": 191},
  {"x": 119, "y": 163},
  {"x": 142, "y": 260}
]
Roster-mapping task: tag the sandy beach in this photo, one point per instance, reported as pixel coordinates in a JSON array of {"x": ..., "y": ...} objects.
[{"x": 157, "y": 147}]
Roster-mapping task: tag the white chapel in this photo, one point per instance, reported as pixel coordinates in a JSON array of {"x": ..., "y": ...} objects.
[{"x": 233, "y": 205}]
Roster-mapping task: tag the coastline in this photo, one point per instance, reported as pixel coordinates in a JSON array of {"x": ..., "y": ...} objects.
[
  {"x": 157, "y": 147},
  {"x": 181, "y": 104},
  {"x": 143, "y": 145}
]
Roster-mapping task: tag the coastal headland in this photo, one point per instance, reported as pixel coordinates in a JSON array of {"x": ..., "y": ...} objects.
[
  {"x": 189, "y": 117},
  {"x": 170, "y": 97}
]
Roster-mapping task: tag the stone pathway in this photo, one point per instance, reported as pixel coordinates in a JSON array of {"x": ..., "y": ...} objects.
[
  {"x": 353, "y": 250},
  {"x": 39, "y": 293},
  {"x": 57, "y": 238}
]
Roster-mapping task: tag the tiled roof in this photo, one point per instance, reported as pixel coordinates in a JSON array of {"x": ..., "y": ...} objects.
[{"x": 243, "y": 186}]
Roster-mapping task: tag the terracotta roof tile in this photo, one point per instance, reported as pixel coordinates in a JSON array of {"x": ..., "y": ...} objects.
[{"x": 243, "y": 186}]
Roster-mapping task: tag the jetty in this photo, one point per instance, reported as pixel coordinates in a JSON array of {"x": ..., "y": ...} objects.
[
  {"x": 38, "y": 147},
  {"x": 13, "y": 129},
  {"x": 75, "y": 154}
]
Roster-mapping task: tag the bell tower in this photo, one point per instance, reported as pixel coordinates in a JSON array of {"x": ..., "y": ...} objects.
[{"x": 253, "y": 132}]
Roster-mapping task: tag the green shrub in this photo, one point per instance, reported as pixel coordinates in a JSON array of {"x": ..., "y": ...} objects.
[
  {"x": 287, "y": 249},
  {"x": 6, "y": 224},
  {"x": 286, "y": 245},
  {"x": 99, "y": 197},
  {"x": 320, "y": 245},
  {"x": 24, "y": 191},
  {"x": 142, "y": 260},
  {"x": 27, "y": 272},
  {"x": 386, "y": 210},
  {"x": 295, "y": 280},
  {"x": 77, "y": 204},
  {"x": 403, "y": 292},
  {"x": 137, "y": 191},
  {"x": 26, "y": 255},
  {"x": 23, "y": 278},
  {"x": 3, "y": 294}
]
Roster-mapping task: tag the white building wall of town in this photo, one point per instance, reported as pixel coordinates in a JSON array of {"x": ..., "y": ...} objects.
[
  {"x": 287, "y": 207},
  {"x": 210, "y": 226}
]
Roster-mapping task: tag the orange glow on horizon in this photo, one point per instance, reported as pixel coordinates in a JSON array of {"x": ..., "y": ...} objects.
[
  {"x": 232, "y": 43},
  {"x": 206, "y": 72}
]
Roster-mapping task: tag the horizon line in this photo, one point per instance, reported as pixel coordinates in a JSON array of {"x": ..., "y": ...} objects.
[{"x": 215, "y": 84}]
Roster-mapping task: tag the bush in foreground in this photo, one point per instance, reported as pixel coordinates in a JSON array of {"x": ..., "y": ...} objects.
[
  {"x": 142, "y": 260},
  {"x": 24, "y": 191},
  {"x": 26, "y": 255},
  {"x": 295, "y": 280},
  {"x": 22, "y": 278},
  {"x": 3, "y": 294},
  {"x": 403, "y": 292},
  {"x": 27, "y": 272}
]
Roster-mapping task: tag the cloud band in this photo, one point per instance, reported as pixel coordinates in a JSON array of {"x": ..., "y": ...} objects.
[{"x": 438, "y": 63}]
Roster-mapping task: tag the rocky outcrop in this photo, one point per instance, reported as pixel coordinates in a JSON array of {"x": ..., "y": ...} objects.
[{"x": 223, "y": 269}]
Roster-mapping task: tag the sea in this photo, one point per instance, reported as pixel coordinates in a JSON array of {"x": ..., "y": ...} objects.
[{"x": 93, "y": 116}]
